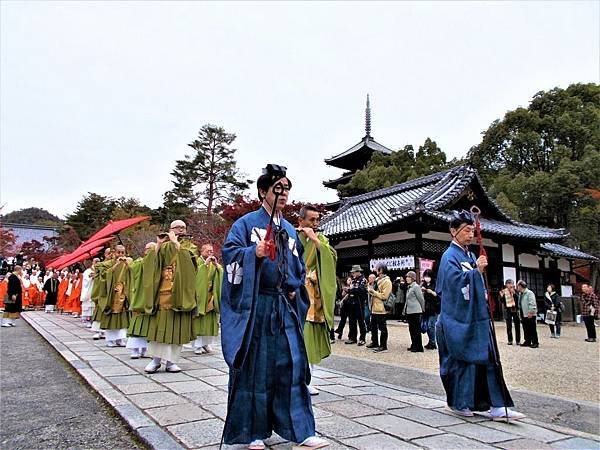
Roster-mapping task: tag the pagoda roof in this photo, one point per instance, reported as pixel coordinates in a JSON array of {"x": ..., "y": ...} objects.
[
  {"x": 357, "y": 156},
  {"x": 432, "y": 197},
  {"x": 341, "y": 180}
]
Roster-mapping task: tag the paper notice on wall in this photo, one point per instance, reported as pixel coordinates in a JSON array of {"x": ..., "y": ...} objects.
[
  {"x": 510, "y": 273},
  {"x": 425, "y": 264},
  {"x": 566, "y": 291}
]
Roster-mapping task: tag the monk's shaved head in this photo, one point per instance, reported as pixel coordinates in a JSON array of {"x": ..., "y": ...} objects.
[
  {"x": 177, "y": 224},
  {"x": 149, "y": 246}
]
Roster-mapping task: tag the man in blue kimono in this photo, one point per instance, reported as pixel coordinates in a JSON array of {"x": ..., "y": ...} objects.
[
  {"x": 263, "y": 307},
  {"x": 469, "y": 364}
]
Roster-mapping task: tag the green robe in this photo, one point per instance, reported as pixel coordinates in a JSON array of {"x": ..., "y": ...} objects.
[
  {"x": 170, "y": 295},
  {"x": 115, "y": 315},
  {"x": 321, "y": 286},
  {"x": 139, "y": 321},
  {"x": 99, "y": 293},
  {"x": 208, "y": 282}
]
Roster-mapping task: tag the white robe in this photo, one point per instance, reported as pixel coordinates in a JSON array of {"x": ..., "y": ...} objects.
[{"x": 87, "y": 305}]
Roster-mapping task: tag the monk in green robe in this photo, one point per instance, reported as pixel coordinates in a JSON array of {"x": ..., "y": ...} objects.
[
  {"x": 139, "y": 321},
  {"x": 114, "y": 307},
  {"x": 208, "y": 294},
  {"x": 99, "y": 295},
  {"x": 170, "y": 296},
  {"x": 320, "y": 259}
]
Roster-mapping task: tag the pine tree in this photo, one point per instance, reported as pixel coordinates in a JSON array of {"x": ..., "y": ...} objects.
[
  {"x": 212, "y": 169},
  {"x": 209, "y": 176}
]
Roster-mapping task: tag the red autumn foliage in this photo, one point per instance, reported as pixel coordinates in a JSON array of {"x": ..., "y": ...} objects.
[
  {"x": 213, "y": 229},
  {"x": 7, "y": 242}
]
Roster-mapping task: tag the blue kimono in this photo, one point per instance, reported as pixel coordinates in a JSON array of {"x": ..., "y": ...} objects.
[
  {"x": 262, "y": 334},
  {"x": 464, "y": 336}
]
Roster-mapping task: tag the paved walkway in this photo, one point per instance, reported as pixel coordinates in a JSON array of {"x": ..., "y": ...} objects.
[{"x": 187, "y": 409}]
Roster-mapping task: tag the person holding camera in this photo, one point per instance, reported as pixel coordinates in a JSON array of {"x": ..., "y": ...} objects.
[
  {"x": 380, "y": 292},
  {"x": 344, "y": 307},
  {"x": 357, "y": 299}
]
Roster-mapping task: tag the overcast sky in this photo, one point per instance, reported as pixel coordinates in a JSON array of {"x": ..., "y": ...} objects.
[{"x": 104, "y": 96}]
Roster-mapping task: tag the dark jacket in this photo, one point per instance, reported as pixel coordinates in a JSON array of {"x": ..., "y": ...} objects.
[
  {"x": 553, "y": 302},
  {"x": 432, "y": 302},
  {"x": 357, "y": 291},
  {"x": 14, "y": 288}
]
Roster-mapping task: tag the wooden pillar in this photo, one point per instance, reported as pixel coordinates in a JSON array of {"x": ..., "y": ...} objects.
[
  {"x": 517, "y": 265},
  {"x": 418, "y": 253}
]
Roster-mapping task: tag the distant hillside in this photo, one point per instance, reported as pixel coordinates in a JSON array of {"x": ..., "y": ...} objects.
[{"x": 32, "y": 216}]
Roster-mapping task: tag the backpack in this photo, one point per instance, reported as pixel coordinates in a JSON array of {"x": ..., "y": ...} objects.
[{"x": 390, "y": 302}]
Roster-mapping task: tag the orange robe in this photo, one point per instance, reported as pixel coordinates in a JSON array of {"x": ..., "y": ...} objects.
[
  {"x": 34, "y": 295},
  {"x": 3, "y": 289},
  {"x": 62, "y": 293},
  {"x": 74, "y": 301},
  {"x": 25, "y": 298}
]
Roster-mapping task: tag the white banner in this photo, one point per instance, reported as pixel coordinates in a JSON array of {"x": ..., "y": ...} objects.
[{"x": 394, "y": 263}]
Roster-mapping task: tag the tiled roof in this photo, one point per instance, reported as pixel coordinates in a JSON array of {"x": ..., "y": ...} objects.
[
  {"x": 514, "y": 229},
  {"x": 428, "y": 195},
  {"x": 566, "y": 252},
  {"x": 341, "y": 180},
  {"x": 367, "y": 142}
]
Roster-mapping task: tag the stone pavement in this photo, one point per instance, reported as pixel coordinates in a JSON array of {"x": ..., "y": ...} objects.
[{"x": 187, "y": 409}]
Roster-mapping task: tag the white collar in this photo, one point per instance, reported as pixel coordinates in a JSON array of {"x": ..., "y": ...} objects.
[
  {"x": 276, "y": 217},
  {"x": 464, "y": 249}
]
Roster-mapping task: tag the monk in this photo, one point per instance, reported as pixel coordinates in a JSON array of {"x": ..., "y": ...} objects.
[
  {"x": 99, "y": 294},
  {"x": 34, "y": 294},
  {"x": 208, "y": 292},
  {"x": 25, "y": 285},
  {"x": 75, "y": 296},
  {"x": 171, "y": 296},
  {"x": 115, "y": 315},
  {"x": 63, "y": 286},
  {"x": 3, "y": 289},
  {"x": 41, "y": 295}
]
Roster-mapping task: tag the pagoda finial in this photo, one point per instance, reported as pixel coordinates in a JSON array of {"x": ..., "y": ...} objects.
[{"x": 368, "y": 118}]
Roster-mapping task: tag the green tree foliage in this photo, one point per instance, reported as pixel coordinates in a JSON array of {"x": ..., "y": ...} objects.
[
  {"x": 93, "y": 212},
  {"x": 173, "y": 208},
  {"x": 542, "y": 163},
  {"x": 558, "y": 124},
  {"x": 32, "y": 216},
  {"x": 400, "y": 166},
  {"x": 208, "y": 177}
]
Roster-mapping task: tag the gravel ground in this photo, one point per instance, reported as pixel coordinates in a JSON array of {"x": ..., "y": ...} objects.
[
  {"x": 558, "y": 367},
  {"x": 45, "y": 405}
]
